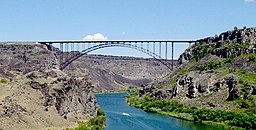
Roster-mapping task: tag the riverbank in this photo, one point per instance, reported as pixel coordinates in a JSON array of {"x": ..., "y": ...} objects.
[
  {"x": 220, "y": 118},
  {"x": 111, "y": 92},
  {"x": 129, "y": 90},
  {"x": 96, "y": 123}
]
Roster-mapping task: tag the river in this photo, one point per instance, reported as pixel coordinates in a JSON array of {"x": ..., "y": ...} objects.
[{"x": 120, "y": 116}]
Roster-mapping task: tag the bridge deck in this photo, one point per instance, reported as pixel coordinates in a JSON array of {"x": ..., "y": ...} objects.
[{"x": 121, "y": 41}]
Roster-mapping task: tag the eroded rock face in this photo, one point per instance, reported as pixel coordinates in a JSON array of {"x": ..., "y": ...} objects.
[
  {"x": 208, "y": 74},
  {"x": 197, "y": 85},
  {"x": 26, "y": 57},
  {"x": 143, "y": 68},
  {"x": 72, "y": 97},
  {"x": 154, "y": 89},
  {"x": 245, "y": 35},
  {"x": 194, "y": 85},
  {"x": 217, "y": 43},
  {"x": 39, "y": 95},
  {"x": 115, "y": 73}
]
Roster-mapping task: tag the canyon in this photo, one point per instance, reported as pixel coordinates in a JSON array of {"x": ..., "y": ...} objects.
[{"x": 36, "y": 94}]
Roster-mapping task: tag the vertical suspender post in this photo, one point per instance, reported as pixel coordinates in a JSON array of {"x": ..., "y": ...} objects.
[
  {"x": 166, "y": 47},
  {"x": 159, "y": 49},
  {"x": 172, "y": 56},
  {"x": 61, "y": 54}
]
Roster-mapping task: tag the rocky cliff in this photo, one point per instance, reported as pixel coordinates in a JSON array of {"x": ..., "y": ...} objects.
[
  {"x": 230, "y": 43},
  {"x": 118, "y": 72},
  {"x": 21, "y": 58},
  {"x": 212, "y": 72},
  {"x": 35, "y": 94},
  {"x": 141, "y": 67}
]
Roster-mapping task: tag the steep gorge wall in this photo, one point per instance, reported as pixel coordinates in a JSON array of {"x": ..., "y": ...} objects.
[
  {"x": 35, "y": 94},
  {"x": 128, "y": 67},
  {"x": 243, "y": 40},
  {"x": 212, "y": 71},
  {"x": 119, "y": 72},
  {"x": 24, "y": 57}
]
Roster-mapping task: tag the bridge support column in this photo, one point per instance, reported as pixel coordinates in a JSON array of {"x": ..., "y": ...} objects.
[
  {"x": 61, "y": 54},
  {"x": 147, "y": 46},
  {"x": 166, "y": 47},
  {"x": 160, "y": 49},
  {"x": 154, "y": 47},
  {"x": 172, "y": 56},
  {"x": 49, "y": 57},
  {"x": 66, "y": 49}
]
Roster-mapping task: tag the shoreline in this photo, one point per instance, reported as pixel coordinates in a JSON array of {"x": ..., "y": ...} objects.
[
  {"x": 116, "y": 91},
  {"x": 97, "y": 93},
  {"x": 209, "y": 123},
  {"x": 221, "y": 125}
]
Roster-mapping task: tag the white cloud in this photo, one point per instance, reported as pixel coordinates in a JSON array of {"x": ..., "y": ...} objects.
[
  {"x": 94, "y": 37},
  {"x": 249, "y": 1}
]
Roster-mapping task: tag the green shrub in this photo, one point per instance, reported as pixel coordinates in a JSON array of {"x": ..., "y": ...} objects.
[
  {"x": 210, "y": 65},
  {"x": 173, "y": 82},
  {"x": 100, "y": 112},
  {"x": 214, "y": 64},
  {"x": 252, "y": 58},
  {"x": 4, "y": 81},
  {"x": 186, "y": 116},
  {"x": 246, "y": 78},
  {"x": 183, "y": 72},
  {"x": 96, "y": 123},
  {"x": 203, "y": 52},
  {"x": 229, "y": 60}
]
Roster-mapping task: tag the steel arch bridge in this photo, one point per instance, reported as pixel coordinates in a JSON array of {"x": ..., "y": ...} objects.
[{"x": 72, "y": 50}]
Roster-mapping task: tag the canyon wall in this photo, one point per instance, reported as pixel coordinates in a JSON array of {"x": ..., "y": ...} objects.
[{"x": 35, "y": 94}]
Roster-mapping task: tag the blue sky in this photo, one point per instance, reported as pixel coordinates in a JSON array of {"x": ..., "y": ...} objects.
[{"x": 33, "y": 20}]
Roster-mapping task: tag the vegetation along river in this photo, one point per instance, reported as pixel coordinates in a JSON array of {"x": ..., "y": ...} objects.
[{"x": 120, "y": 116}]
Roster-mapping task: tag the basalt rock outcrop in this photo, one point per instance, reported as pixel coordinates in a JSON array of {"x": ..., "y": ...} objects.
[
  {"x": 72, "y": 97},
  {"x": 142, "y": 68},
  {"x": 245, "y": 35},
  {"x": 211, "y": 72},
  {"x": 38, "y": 101},
  {"x": 35, "y": 94},
  {"x": 105, "y": 80},
  {"x": 115, "y": 73},
  {"x": 242, "y": 41},
  {"x": 26, "y": 57},
  {"x": 196, "y": 85}
]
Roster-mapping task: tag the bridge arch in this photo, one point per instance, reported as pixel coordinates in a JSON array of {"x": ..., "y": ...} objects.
[{"x": 113, "y": 44}]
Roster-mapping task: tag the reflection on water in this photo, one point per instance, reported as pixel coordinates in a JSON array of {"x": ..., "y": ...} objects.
[{"x": 120, "y": 116}]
